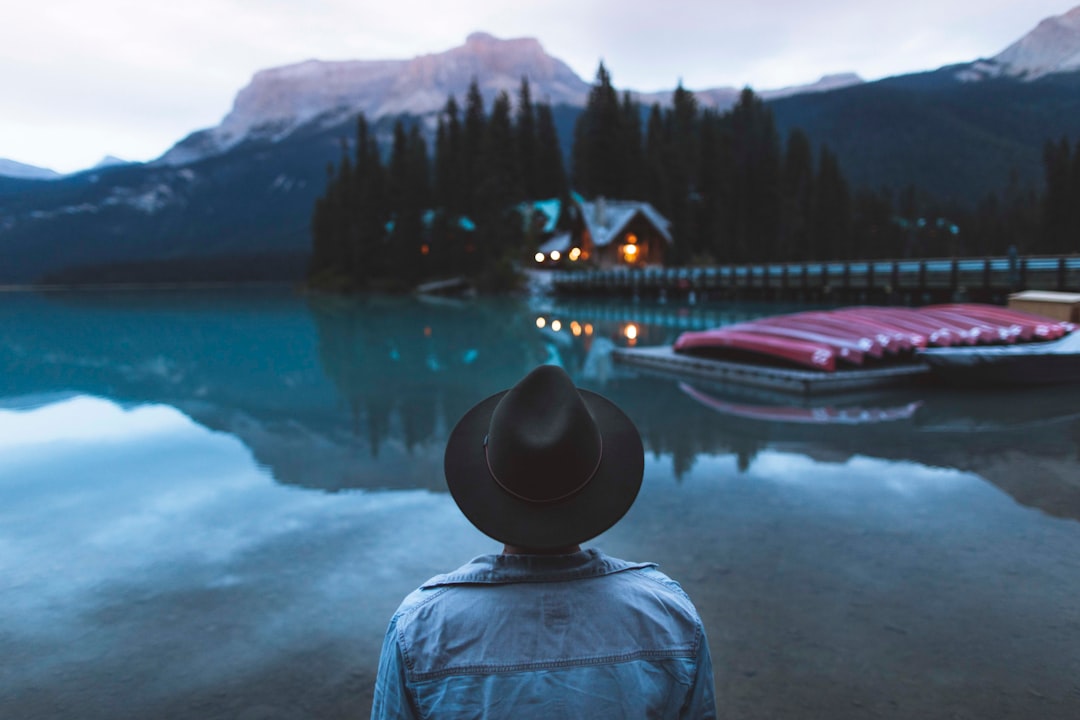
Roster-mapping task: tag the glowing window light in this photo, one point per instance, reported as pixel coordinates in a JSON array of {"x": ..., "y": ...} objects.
[
  {"x": 631, "y": 239},
  {"x": 630, "y": 253},
  {"x": 541, "y": 322},
  {"x": 556, "y": 325},
  {"x": 588, "y": 328},
  {"x": 631, "y": 331},
  {"x": 575, "y": 253},
  {"x": 575, "y": 327},
  {"x": 555, "y": 255},
  {"x": 424, "y": 249},
  {"x": 539, "y": 257}
]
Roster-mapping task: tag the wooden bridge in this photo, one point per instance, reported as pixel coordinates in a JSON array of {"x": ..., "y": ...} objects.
[{"x": 910, "y": 282}]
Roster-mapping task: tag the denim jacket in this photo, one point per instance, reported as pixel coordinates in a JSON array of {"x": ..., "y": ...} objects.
[{"x": 533, "y": 636}]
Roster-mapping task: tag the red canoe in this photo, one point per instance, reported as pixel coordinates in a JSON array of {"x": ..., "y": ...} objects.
[{"x": 818, "y": 356}]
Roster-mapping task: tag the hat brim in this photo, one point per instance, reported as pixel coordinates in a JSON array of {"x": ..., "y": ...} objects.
[{"x": 513, "y": 521}]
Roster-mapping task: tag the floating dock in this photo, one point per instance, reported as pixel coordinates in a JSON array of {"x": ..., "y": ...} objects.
[{"x": 664, "y": 360}]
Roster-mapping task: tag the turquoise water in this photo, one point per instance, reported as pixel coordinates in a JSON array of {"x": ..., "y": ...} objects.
[{"x": 210, "y": 504}]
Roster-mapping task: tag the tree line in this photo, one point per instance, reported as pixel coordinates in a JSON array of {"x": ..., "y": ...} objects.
[
  {"x": 734, "y": 191},
  {"x": 419, "y": 215}
]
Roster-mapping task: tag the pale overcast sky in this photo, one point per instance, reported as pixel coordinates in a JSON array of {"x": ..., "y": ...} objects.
[{"x": 131, "y": 77}]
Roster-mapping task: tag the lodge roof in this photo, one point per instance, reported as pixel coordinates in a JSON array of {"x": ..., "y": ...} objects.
[{"x": 606, "y": 219}]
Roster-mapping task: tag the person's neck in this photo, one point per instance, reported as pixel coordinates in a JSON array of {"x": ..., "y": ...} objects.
[{"x": 517, "y": 550}]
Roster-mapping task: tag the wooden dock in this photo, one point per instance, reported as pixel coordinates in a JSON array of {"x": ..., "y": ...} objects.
[
  {"x": 909, "y": 282},
  {"x": 663, "y": 360}
]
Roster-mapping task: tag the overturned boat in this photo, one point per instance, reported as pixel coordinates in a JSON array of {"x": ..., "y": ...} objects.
[{"x": 830, "y": 351}]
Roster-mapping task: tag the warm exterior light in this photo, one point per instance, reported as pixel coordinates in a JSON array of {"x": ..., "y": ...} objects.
[
  {"x": 424, "y": 249},
  {"x": 539, "y": 257},
  {"x": 555, "y": 255},
  {"x": 540, "y": 322},
  {"x": 575, "y": 327},
  {"x": 556, "y": 325},
  {"x": 630, "y": 253},
  {"x": 575, "y": 253},
  {"x": 630, "y": 331},
  {"x": 588, "y": 328},
  {"x": 631, "y": 239}
]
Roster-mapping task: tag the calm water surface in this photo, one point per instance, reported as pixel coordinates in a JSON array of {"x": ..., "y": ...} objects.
[{"x": 211, "y": 503}]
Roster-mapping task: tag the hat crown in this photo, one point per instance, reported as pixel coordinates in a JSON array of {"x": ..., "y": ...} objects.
[{"x": 543, "y": 444}]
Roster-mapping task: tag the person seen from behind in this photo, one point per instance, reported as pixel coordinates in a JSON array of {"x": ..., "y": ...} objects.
[{"x": 545, "y": 629}]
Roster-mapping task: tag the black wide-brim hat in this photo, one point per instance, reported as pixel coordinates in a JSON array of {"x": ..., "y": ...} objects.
[{"x": 544, "y": 464}]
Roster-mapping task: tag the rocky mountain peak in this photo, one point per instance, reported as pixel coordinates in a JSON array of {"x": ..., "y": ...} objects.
[
  {"x": 1052, "y": 47},
  {"x": 279, "y": 100}
]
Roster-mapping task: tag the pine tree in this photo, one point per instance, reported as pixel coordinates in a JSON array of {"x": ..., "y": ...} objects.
[
  {"x": 497, "y": 182},
  {"x": 527, "y": 149},
  {"x": 714, "y": 182},
  {"x": 683, "y": 161},
  {"x": 832, "y": 210},
  {"x": 631, "y": 150},
  {"x": 597, "y": 136},
  {"x": 755, "y": 185},
  {"x": 550, "y": 171},
  {"x": 472, "y": 147},
  {"x": 1057, "y": 209},
  {"x": 1072, "y": 241},
  {"x": 657, "y": 186},
  {"x": 798, "y": 195}
]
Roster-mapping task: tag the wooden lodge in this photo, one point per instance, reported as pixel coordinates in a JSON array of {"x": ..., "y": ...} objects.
[{"x": 606, "y": 233}]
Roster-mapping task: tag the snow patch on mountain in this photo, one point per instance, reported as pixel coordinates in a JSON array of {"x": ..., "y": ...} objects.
[{"x": 1052, "y": 47}]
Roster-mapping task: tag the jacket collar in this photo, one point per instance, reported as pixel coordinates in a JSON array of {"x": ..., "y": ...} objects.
[{"x": 504, "y": 569}]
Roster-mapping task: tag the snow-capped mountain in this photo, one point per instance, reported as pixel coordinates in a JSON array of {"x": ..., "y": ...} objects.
[
  {"x": 13, "y": 169},
  {"x": 1052, "y": 47},
  {"x": 280, "y": 100}
]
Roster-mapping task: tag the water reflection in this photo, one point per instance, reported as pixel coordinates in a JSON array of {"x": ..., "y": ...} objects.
[
  {"x": 162, "y": 553},
  {"x": 333, "y": 393}
]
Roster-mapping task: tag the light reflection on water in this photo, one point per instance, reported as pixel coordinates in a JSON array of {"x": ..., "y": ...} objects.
[{"x": 167, "y": 547}]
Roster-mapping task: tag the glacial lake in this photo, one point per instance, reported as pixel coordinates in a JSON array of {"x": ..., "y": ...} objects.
[{"x": 212, "y": 502}]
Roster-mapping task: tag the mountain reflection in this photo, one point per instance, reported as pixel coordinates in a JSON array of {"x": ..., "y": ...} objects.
[{"x": 334, "y": 393}]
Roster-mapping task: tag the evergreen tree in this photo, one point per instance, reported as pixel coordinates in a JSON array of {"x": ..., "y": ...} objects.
[
  {"x": 1058, "y": 200},
  {"x": 527, "y": 148},
  {"x": 369, "y": 207},
  {"x": 798, "y": 198},
  {"x": 550, "y": 172},
  {"x": 755, "y": 187},
  {"x": 682, "y": 161},
  {"x": 873, "y": 225},
  {"x": 473, "y": 134},
  {"x": 403, "y": 220},
  {"x": 631, "y": 150},
  {"x": 657, "y": 185},
  {"x": 1072, "y": 241},
  {"x": 597, "y": 169},
  {"x": 832, "y": 210},
  {"x": 497, "y": 183},
  {"x": 714, "y": 182}
]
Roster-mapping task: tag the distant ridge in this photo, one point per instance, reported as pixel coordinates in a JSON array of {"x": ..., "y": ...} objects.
[{"x": 13, "y": 169}]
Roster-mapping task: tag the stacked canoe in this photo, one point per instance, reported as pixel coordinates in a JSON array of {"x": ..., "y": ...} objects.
[{"x": 868, "y": 336}]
